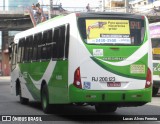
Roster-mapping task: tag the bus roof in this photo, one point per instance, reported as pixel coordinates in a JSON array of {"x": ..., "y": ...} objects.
[{"x": 97, "y": 14}]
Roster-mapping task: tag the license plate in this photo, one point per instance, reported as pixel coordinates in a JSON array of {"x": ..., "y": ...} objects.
[{"x": 114, "y": 84}]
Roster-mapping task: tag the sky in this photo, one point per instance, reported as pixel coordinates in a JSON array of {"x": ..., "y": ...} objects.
[
  {"x": 79, "y": 3},
  {"x": 73, "y": 3}
]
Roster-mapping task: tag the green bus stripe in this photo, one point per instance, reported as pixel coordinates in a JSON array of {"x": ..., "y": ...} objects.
[
  {"x": 115, "y": 72},
  {"x": 35, "y": 92}
]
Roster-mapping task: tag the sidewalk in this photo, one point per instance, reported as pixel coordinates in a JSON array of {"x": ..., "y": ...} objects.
[{"x": 5, "y": 79}]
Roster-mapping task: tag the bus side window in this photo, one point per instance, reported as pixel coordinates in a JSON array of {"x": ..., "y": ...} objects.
[
  {"x": 34, "y": 57},
  {"x": 60, "y": 42},
  {"x": 39, "y": 40},
  {"x": 19, "y": 50},
  {"x": 30, "y": 42},
  {"x": 49, "y": 44},
  {"x": 43, "y": 46},
  {"x": 25, "y": 50},
  {"x": 67, "y": 41},
  {"x": 55, "y": 39},
  {"x": 14, "y": 57},
  {"x": 22, "y": 53}
]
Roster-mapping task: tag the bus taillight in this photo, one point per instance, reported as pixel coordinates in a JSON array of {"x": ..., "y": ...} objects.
[
  {"x": 143, "y": 17},
  {"x": 148, "y": 79},
  {"x": 77, "y": 14},
  {"x": 77, "y": 79}
]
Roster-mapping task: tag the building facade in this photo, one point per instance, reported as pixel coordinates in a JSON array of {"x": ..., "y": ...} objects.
[
  {"x": 113, "y": 5},
  {"x": 7, "y": 36}
]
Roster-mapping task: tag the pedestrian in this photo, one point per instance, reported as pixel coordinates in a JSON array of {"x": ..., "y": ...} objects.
[
  {"x": 88, "y": 7},
  {"x": 60, "y": 7},
  {"x": 130, "y": 9},
  {"x": 38, "y": 13},
  {"x": 154, "y": 11},
  {"x": 34, "y": 10}
]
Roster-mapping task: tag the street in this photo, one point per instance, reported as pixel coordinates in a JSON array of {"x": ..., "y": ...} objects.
[{"x": 10, "y": 105}]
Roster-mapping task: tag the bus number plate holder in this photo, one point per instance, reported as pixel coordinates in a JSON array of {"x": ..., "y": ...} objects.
[{"x": 114, "y": 84}]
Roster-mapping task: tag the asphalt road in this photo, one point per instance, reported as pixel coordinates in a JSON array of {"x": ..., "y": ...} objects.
[{"x": 10, "y": 105}]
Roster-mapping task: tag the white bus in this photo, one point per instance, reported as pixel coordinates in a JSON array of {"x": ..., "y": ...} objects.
[{"x": 100, "y": 59}]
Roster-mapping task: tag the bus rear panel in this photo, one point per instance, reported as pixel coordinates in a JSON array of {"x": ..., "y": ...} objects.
[{"x": 114, "y": 66}]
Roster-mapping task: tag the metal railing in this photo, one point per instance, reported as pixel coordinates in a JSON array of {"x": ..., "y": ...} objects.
[
  {"x": 12, "y": 9},
  {"x": 147, "y": 9}
]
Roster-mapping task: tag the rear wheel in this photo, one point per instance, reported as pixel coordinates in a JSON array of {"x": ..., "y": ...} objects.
[
  {"x": 45, "y": 99},
  {"x": 22, "y": 100},
  {"x": 103, "y": 108}
]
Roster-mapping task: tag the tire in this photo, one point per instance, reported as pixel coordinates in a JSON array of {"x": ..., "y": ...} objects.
[
  {"x": 45, "y": 99},
  {"x": 105, "y": 108},
  {"x": 155, "y": 91},
  {"x": 21, "y": 99}
]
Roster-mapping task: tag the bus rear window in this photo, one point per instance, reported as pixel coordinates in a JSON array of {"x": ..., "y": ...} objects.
[{"x": 111, "y": 31}]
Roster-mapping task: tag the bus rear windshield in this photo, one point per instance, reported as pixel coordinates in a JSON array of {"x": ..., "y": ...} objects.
[{"x": 111, "y": 31}]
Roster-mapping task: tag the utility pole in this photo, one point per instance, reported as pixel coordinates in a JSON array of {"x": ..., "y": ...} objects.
[
  {"x": 50, "y": 9},
  {"x": 103, "y": 5},
  {"x": 110, "y": 5},
  {"x": 127, "y": 6}
]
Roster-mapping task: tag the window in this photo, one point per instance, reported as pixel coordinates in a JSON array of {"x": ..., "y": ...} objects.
[
  {"x": 26, "y": 45},
  {"x": 61, "y": 42},
  {"x": 20, "y": 46},
  {"x": 49, "y": 44},
  {"x": 46, "y": 45},
  {"x": 30, "y": 45},
  {"x": 112, "y": 30},
  {"x": 67, "y": 41},
  {"x": 59, "y": 37},
  {"x": 55, "y": 39},
  {"x": 43, "y": 46},
  {"x": 22, "y": 53},
  {"x": 14, "y": 56},
  {"x": 39, "y": 40},
  {"x": 35, "y": 43}
]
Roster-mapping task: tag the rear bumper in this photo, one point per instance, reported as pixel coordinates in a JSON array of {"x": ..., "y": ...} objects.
[{"x": 90, "y": 96}]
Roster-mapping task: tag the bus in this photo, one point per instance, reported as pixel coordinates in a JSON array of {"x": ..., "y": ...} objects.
[
  {"x": 155, "y": 39},
  {"x": 98, "y": 59}
]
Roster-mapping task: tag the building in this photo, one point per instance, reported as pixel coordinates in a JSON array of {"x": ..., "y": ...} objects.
[
  {"x": 113, "y": 5},
  {"x": 7, "y": 36},
  {"x": 147, "y": 7},
  {"x": 138, "y": 3}
]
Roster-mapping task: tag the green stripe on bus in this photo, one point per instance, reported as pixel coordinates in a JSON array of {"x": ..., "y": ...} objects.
[{"x": 118, "y": 71}]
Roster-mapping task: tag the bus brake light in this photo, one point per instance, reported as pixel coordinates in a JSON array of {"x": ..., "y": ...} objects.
[
  {"x": 143, "y": 17},
  {"x": 148, "y": 79},
  {"x": 77, "y": 79}
]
